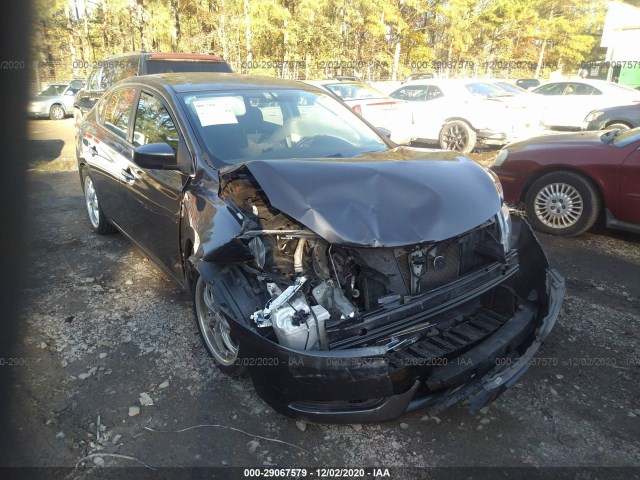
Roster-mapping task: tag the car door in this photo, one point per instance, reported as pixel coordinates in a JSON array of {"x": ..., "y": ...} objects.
[
  {"x": 429, "y": 109},
  {"x": 108, "y": 152},
  {"x": 577, "y": 100},
  {"x": 152, "y": 198},
  {"x": 630, "y": 188},
  {"x": 552, "y": 100}
]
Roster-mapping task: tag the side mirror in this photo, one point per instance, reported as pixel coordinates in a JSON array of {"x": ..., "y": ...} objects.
[
  {"x": 70, "y": 93},
  {"x": 155, "y": 156},
  {"x": 384, "y": 132}
]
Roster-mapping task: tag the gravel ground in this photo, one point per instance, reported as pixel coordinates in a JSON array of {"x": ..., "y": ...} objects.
[{"x": 112, "y": 350}]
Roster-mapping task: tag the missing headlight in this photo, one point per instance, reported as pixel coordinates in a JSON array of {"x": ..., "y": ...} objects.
[{"x": 504, "y": 222}]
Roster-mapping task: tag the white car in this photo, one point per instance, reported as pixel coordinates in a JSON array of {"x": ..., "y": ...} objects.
[
  {"x": 567, "y": 103},
  {"x": 461, "y": 113},
  {"x": 376, "y": 107}
]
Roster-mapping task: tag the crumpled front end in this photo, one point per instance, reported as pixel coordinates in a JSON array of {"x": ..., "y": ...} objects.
[{"x": 341, "y": 333}]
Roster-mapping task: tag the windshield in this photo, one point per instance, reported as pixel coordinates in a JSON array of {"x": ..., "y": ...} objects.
[
  {"x": 53, "y": 90},
  {"x": 626, "y": 138},
  {"x": 621, "y": 89},
  {"x": 507, "y": 87},
  {"x": 483, "y": 89},
  {"x": 354, "y": 91},
  {"x": 241, "y": 125}
]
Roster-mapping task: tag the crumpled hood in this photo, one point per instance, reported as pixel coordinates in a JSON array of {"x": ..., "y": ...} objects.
[
  {"x": 588, "y": 139},
  {"x": 392, "y": 198}
]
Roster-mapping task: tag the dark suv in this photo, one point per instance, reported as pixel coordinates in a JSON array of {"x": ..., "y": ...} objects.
[{"x": 114, "y": 69}]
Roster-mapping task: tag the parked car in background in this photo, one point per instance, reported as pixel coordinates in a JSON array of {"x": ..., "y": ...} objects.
[
  {"x": 115, "y": 68},
  {"x": 351, "y": 278},
  {"x": 376, "y": 107},
  {"x": 55, "y": 101},
  {"x": 623, "y": 117},
  {"x": 566, "y": 181},
  {"x": 567, "y": 103},
  {"x": 527, "y": 83},
  {"x": 462, "y": 113},
  {"x": 419, "y": 76}
]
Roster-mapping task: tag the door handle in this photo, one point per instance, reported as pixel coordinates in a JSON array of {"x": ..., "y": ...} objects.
[{"x": 127, "y": 175}]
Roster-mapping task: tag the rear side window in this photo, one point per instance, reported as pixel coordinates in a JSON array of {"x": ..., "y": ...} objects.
[
  {"x": 414, "y": 93},
  {"x": 579, "y": 89},
  {"x": 153, "y": 123},
  {"x": 125, "y": 68},
  {"x": 94, "y": 79},
  {"x": 170, "y": 66},
  {"x": 434, "y": 92},
  {"x": 118, "y": 111},
  {"x": 551, "y": 89}
]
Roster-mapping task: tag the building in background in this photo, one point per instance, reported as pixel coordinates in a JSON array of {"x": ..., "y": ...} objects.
[{"x": 621, "y": 38}]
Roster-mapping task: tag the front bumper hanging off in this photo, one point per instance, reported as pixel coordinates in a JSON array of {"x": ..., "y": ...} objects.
[{"x": 484, "y": 353}]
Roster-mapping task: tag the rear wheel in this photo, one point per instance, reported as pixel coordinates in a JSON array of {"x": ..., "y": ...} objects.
[
  {"x": 457, "y": 136},
  {"x": 56, "y": 112},
  {"x": 562, "y": 203},
  {"x": 215, "y": 330},
  {"x": 97, "y": 217}
]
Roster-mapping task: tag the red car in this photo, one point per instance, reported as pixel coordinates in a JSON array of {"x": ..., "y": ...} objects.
[{"x": 566, "y": 181}]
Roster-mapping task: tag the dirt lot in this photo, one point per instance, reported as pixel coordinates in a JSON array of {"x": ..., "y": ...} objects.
[{"x": 107, "y": 333}]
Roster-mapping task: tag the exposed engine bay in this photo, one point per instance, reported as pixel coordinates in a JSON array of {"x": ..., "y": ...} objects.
[{"x": 320, "y": 295}]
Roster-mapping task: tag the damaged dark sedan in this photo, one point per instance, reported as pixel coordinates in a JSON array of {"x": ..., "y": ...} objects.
[{"x": 352, "y": 279}]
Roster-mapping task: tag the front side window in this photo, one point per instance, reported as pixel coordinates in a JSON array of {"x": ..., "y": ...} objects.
[
  {"x": 118, "y": 111},
  {"x": 240, "y": 125},
  {"x": 153, "y": 123}
]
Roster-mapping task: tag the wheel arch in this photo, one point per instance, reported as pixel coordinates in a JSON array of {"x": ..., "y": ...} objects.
[
  {"x": 58, "y": 104},
  {"x": 613, "y": 122},
  {"x": 460, "y": 119}
]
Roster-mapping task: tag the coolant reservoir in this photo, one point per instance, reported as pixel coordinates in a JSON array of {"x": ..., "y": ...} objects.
[{"x": 305, "y": 335}]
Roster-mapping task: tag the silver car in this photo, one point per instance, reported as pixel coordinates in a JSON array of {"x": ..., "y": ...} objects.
[{"x": 55, "y": 101}]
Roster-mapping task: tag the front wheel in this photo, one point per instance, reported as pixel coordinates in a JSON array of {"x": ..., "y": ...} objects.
[
  {"x": 56, "y": 112},
  {"x": 458, "y": 136},
  {"x": 97, "y": 217},
  {"x": 215, "y": 330},
  {"x": 562, "y": 203}
]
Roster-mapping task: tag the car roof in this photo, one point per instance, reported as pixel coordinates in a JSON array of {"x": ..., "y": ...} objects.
[
  {"x": 586, "y": 81},
  {"x": 205, "y": 81},
  {"x": 169, "y": 56}
]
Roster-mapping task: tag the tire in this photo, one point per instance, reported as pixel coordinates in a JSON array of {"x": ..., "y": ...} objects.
[
  {"x": 562, "y": 203},
  {"x": 56, "y": 112},
  {"x": 215, "y": 332},
  {"x": 457, "y": 136},
  {"x": 97, "y": 218},
  {"x": 623, "y": 127}
]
